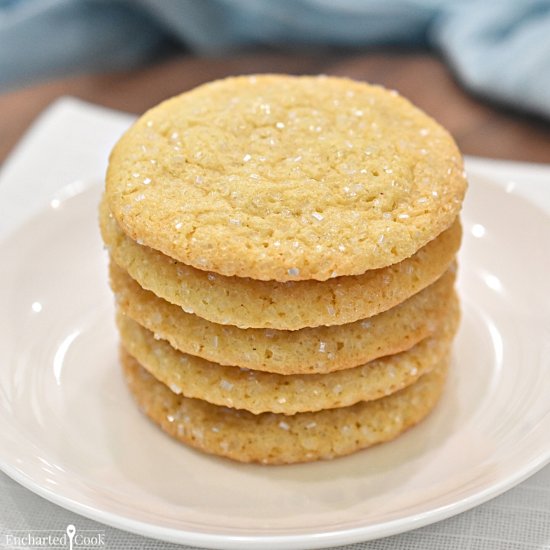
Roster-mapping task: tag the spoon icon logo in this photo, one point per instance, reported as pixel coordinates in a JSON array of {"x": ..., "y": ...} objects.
[{"x": 71, "y": 530}]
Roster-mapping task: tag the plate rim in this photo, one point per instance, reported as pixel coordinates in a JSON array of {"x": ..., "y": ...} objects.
[{"x": 286, "y": 542}]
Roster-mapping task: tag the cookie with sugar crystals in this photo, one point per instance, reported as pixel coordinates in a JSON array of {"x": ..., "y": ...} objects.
[
  {"x": 259, "y": 392},
  {"x": 309, "y": 350},
  {"x": 286, "y": 178},
  {"x": 271, "y": 438},
  {"x": 248, "y": 303}
]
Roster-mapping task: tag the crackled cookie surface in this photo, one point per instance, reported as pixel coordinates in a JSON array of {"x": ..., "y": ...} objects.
[{"x": 285, "y": 178}]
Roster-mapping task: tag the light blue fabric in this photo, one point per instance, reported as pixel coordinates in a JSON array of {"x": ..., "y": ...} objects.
[{"x": 499, "y": 49}]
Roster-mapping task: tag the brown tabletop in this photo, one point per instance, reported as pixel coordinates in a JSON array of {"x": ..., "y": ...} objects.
[{"x": 479, "y": 127}]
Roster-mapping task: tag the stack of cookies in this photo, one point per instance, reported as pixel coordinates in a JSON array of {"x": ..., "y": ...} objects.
[{"x": 283, "y": 256}]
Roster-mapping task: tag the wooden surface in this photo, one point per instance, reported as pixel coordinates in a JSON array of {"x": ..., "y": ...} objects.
[{"x": 479, "y": 127}]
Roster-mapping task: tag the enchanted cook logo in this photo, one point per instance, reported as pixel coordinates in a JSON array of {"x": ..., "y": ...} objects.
[{"x": 71, "y": 538}]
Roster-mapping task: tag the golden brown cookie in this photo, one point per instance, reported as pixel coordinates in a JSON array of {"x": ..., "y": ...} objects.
[
  {"x": 286, "y": 178},
  {"x": 309, "y": 350},
  {"x": 259, "y": 392},
  {"x": 247, "y": 303},
  {"x": 278, "y": 439}
]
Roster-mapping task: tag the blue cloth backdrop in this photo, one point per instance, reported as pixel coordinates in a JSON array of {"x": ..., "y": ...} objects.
[{"x": 500, "y": 49}]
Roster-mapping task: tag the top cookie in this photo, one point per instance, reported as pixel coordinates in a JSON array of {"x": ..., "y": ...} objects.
[{"x": 285, "y": 178}]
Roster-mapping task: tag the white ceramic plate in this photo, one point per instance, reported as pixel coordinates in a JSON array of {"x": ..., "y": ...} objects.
[{"x": 71, "y": 433}]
